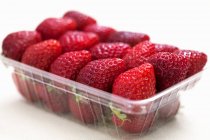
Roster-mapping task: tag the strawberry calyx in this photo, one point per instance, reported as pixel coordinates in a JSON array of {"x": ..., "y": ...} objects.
[
  {"x": 78, "y": 98},
  {"x": 49, "y": 89},
  {"x": 117, "y": 112}
]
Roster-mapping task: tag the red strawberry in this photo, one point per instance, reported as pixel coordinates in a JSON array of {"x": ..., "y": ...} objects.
[
  {"x": 75, "y": 41},
  {"x": 197, "y": 60},
  {"x": 169, "y": 110},
  {"x": 102, "y": 31},
  {"x": 109, "y": 50},
  {"x": 165, "y": 48},
  {"x": 101, "y": 73},
  {"x": 15, "y": 44},
  {"x": 41, "y": 55},
  {"x": 169, "y": 69},
  {"x": 69, "y": 64},
  {"x": 131, "y": 38},
  {"x": 81, "y": 19},
  {"x": 136, "y": 84},
  {"x": 139, "y": 54},
  {"x": 53, "y": 28}
]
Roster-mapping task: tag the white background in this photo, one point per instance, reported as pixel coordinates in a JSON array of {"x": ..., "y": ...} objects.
[{"x": 183, "y": 23}]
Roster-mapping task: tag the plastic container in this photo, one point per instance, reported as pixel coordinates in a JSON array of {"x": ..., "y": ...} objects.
[{"x": 111, "y": 114}]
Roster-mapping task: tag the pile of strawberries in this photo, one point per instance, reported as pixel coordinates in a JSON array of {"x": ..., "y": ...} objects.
[{"x": 123, "y": 63}]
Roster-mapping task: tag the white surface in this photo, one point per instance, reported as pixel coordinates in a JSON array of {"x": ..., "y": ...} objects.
[{"x": 178, "y": 22}]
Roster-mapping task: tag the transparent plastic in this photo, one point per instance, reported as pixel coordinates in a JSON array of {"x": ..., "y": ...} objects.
[{"x": 114, "y": 115}]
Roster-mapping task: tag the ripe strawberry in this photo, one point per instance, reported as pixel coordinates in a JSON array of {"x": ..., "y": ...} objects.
[
  {"x": 53, "y": 28},
  {"x": 169, "y": 110},
  {"x": 81, "y": 19},
  {"x": 69, "y": 64},
  {"x": 102, "y": 31},
  {"x": 136, "y": 84},
  {"x": 109, "y": 50},
  {"x": 139, "y": 54},
  {"x": 101, "y": 73},
  {"x": 75, "y": 41},
  {"x": 84, "y": 110},
  {"x": 169, "y": 69},
  {"x": 131, "y": 38},
  {"x": 165, "y": 48},
  {"x": 197, "y": 60},
  {"x": 41, "y": 55},
  {"x": 15, "y": 44}
]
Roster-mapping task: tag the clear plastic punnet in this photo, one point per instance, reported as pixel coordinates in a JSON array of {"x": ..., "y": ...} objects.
[{"x": 111, "y": 114}]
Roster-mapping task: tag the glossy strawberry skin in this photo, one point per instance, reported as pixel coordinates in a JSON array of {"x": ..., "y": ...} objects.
[
  {"x": 15, "y": 44},
  {"x": 136, "y": 84},
  {"x": 53, "y": 28},
  {"x": 169, "y": 68},
  {"x": 109, "y": 50},
  {"x": 197, "y": 60},
  {"x": 81, "y": 19},
  {"x": 41, "y": 55},
  {"x": 102, "y": 31},
  {"x": 69, "y": 64},
  {"x": 101, "y": 73},
  {"x": 165, "y": 48},
  {"x": 131, "y": 38},
  {"x": 139, "y": 54},
  {"x": 76, "y": 40}
]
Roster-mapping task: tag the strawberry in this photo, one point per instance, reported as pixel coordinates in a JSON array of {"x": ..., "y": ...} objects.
[
  {"x": 69, "y": 64},
  {"x": 102, "y": 31},
  {"x": 15, "y": 44},
  {"x": 53, "y": 28},
  {"x": 101, "y": 73},
  {"x": 169, "y": 69},
  {"x": 136, "y": 84},
  {"x": 165, "y": 48},
  {"x": 41, "y": 55},
  {"x": 109, "y": 50},
  {"x": 81, "y": 19},
  {"x": 197, "y": 60},
  {"x": 75, "y": 40},
  {"x": 139, "y": 54},
  {"x": 131, "y": 38},
  {"x": 169, "y": 110}
]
